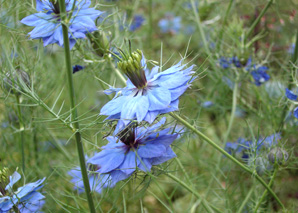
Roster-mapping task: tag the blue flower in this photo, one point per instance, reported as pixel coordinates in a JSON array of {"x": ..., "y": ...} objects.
[
  {"x": 137, "y": 22},
  {"x": 224, "y": 63},
  {"x": 77, "y": 68},
  {"x": 136, "y": 148},
  {"x": 48, "y": 26},
  {"x": 291, "y": 49},
  {"x": 27, "y": 199},
  {"x": 97, "y": 181},
  {"x": 147, "y": 93},
  {"x": 170, "y": 24},
  {"x": 243, "y": 148},
  {"x": 259, "y": 75},
  {"x": 207, "y": 104},
  {"x": 295, "y": 112},
  {"x": 291, "y": 95}
]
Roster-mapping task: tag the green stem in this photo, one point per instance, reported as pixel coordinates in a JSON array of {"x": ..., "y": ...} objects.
[
  {"x": 218, "y": 148},
  {"x": 204, "y": 203},
  {"x": 254, "y": 24},
  {"x": 295, "y": 55},
  {"x": 150, "y": 23},
  {"x": 198, "y": 20},
  {"x": 245, "y": 200},
  {"x": 21, "y": 129},
  {"x": 218, "y": 45},
  {"x": 265, "y": 192},
  {"x": 234, "y": 105},
  {"x": 74, "y": 113}
]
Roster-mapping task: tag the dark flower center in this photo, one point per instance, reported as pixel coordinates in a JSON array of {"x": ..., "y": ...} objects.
[{"x": 128, "y": 136}]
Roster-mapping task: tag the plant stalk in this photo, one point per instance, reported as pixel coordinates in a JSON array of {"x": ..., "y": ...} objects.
[{"x": 74, "y": 113}]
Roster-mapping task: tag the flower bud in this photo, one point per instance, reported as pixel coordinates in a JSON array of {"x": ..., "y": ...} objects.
[
  {"x": 14, "y": 80},
  {"x": 100, "y": 43},
  {"x": 262, "y": 165},
  {"x": 278, "y": 155},
  {"x": 3, "y": 180}
]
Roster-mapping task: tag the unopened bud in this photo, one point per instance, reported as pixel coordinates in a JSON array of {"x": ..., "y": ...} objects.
[
  {"x": 278, "y": 155},
  {"x": 13, "y": 81},
  {"x": 100, "y": 43}
]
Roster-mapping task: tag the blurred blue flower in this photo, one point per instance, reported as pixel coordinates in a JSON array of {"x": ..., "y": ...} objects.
[
  {"x": 207, "y": 104},
  {"x": 295, "y": 112},
  {"x": 170, "y": 24},
  {"x": 224, "y": 62},
  {"x": 48, "y": 25},
  {"x": 27, "y": 199},
  {"x": 291, "y": 95},
  {"x": 148, "y": 94},
  {"x": 228, "y": 82},
  {"x": 97, "y": 181},
  {"x": 291, "y": 49},
  {"x": 134, "y": 148},
  {"x": 77, "y": 68},
  {"x": 136, "y": 23},
  {"x": 259, "y": 75},
  {"x": 243, "y": 148}
]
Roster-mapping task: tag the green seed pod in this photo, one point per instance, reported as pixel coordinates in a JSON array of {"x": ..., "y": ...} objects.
[
  {"x": 278, "y": 155},
  {"x": 100, "y": 43},
  {"x": 14, "y": 81}
]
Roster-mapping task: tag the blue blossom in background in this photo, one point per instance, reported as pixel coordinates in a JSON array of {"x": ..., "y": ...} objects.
[
  {"x": 170, "y": 24},
  {"x": 207, "y": 104},
  {"x": 77, "y": 68},
  {"x": 48, "y": 25},
  {"x": 259, "y": 75},
  {"x": 27, "y": 198},
  {"x": 97, "y": 181},
  {"x": 243, "y": 148},
  {"x": 136, "y": 23},
  {"x": 291, "y": 95},
  {"x": 291, "y": 49},
  {"x": 135, "y": 148},
  {"x": 224, "y": 62},
  {"x": 147, "y": 93}
]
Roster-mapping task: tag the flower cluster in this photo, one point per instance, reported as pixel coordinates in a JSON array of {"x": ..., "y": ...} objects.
[
  {"x": 135, "y": 148},
  {"x": 293, "y": 96},
  {"x": 258, "y": 73},
  {"x": 48, "y": 26},
  {"x": 244, "y": 149},
  {"x": 25, "y": 200}
]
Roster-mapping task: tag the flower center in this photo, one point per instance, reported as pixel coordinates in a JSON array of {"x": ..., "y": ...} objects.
[
  {"x": 92, "y": 167},
  {"x": 131, "y": 66},
  {"x": 128, "y": 136}
]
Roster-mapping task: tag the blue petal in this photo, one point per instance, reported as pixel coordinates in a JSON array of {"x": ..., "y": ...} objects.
[
  {"x": 137, "y": 107},
  {"x": 177, "y": 92},
  {"x": 296, "y": 112},
  {"x": 151, "y": 150},
  {"x": 130, "y": 163},
  {"x": 117, "y": 176},
  {"x": 12, "y": 180},
  {"x": 145, "y": 165},
  {"x": 165, "y": 140},
  {"x": 36, "y": 19},
  {"x": 90, "y": 12},
  {"x": 159, "y": 98},
  {"x": 290, "y": 95},
  {"x": 44, "y": 30},
  {"x": 108, "y": 160},
  {"x": 58, "y": 35},
  {"x": 165, "y": 157},
  {"x": 150, "y": 116},
  {"x": 30, "y": 187},
  {"x": 114, "y": 106}
]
